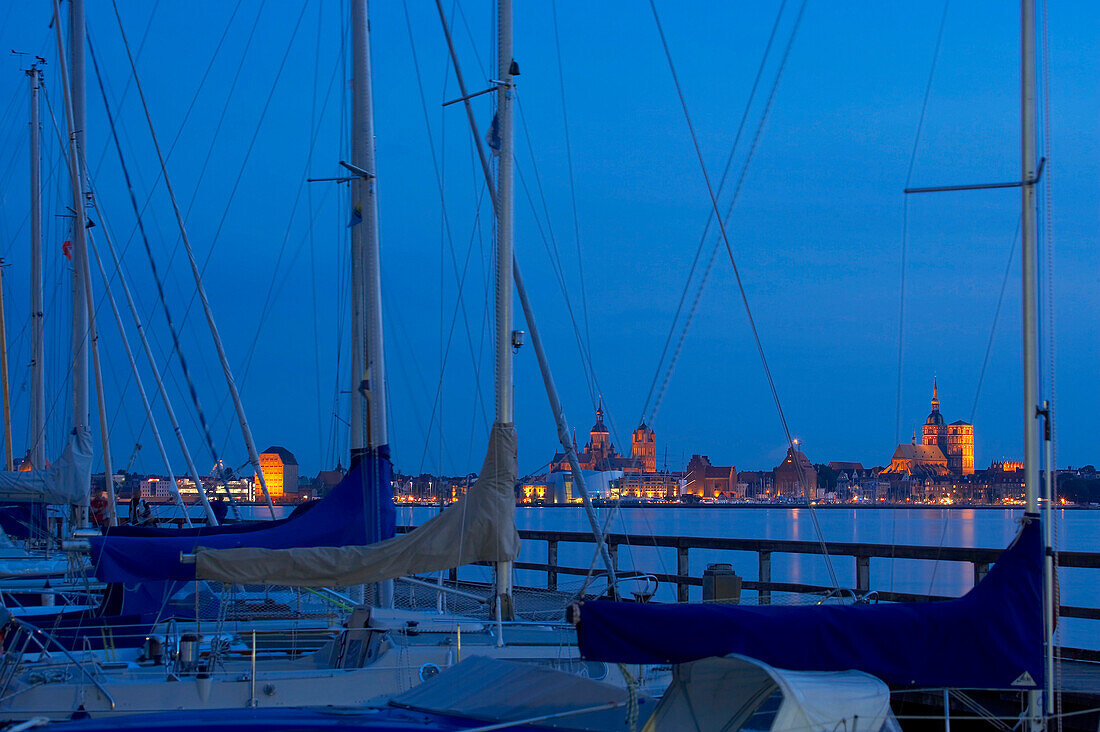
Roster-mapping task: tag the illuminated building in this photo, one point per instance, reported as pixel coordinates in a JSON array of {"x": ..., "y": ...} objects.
[
  {"x": 643, "y": 448},
  {"x": 795, "y": 476},
  {"x": 280, "y": 471},
  {"x": 955, "y": 440},
  {"x": 918, "y": 461},
  {"x": 599, "y": 453},
  {"x": 709, "y": 481}
]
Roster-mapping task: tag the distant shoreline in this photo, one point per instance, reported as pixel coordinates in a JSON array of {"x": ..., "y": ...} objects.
[{"x": 824, "y": 506}]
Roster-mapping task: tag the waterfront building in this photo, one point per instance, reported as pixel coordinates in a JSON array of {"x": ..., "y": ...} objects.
[
  {"x": 755, "y": 484},
  {"x": 955, "y": 440},
  {"x": 705, "y": 480},
  {"x": 652, "y": 485},
  {"x": 326, "y": 480},
  {"x": 795, "y": 476},
  {"x": 280, "y": 470},
  {"x": 918, "y": 461},
  {"x": 599, "y": 452},
  {"x": 643, "y": 448},
  {"x": 558, "y": 487}
]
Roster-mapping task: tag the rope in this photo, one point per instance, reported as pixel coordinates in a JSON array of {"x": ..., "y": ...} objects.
[
  {"x": 158, "y": 281},
  {"x": 901, "y": 287},
  {"x": 572, "y": 183},
  {"x": 710, "y": 214},
  {"x": 631, "y": 698},
  {"x": 740, "y": 284},
  {"x": 905, "y": 218}
]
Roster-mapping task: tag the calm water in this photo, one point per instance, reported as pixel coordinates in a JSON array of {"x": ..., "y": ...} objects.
[{"x": 1076, "y": 530}]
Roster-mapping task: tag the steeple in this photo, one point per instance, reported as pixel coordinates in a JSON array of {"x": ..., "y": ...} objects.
[
  {"x": 599, "y": 410},
  {"x": 935, "y": 396}
]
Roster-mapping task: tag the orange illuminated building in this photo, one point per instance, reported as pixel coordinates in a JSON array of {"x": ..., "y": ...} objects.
[
  {"x": 600, "y": 454},
  {"x": 955, "y": 440},
  {"x": 280, "y": 471}
]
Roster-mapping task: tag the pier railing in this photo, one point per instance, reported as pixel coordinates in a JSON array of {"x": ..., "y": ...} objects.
[{"x": 764, "y": 585}]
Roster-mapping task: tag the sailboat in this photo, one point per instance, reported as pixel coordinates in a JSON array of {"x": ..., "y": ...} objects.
[
  {"x": 339, "y": 542},
  {"x": 997, "y": 636}
]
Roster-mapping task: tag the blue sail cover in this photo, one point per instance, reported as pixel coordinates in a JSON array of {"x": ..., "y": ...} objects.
[
  {"x": 991, "y": 638},
  {"x": 359, "y": 510}
]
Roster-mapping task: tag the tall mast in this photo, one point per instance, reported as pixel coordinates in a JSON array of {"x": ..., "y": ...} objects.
[
  {"x": 38, "y": 392},
  {"x": 75, "y": 161},
  {"x": 8, "y": 461},
  {"x": 369, "y": 428},
  {"x": 1029, "y": 253},
  {"x": 504, "y": 255},
  {"x": 79, "y": 124}
]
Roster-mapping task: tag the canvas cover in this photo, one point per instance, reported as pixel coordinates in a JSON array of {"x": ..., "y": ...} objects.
[
  {"x": 496, "y": 690},
  {"x": 479, "y": 528},
  {"x": 358, "y": 511},
  {"x": 67, "y": 482},
  {"x": 991, "y": 638},
  {"x": 726, "y": 693}
]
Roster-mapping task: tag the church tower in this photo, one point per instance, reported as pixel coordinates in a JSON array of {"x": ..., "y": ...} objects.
[
  {"x": 599, "y": 444},
  {"x": 643, "y": 449},
  {"x": 955, "y": 440}
]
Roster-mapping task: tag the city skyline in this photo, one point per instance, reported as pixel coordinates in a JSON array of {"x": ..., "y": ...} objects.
[{"x": 817, "y": 230}]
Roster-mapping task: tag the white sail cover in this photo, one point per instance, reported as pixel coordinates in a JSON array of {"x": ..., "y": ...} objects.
[
  {"x": 738, "y": 692},
  {"x": 68, "y": 481},
  {"x": 479, "y": 528}
]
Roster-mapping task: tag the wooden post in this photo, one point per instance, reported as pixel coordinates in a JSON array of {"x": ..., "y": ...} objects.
[
  {"x": 552, "y": 560},
  {"x": 863, "y": 574},
  {"x": 764, "y": 575},
  {"x": 682, "y": 572}
]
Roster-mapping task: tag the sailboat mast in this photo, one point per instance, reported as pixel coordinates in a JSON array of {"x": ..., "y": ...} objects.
[
  {"x": 1029, "y": 256},
  {"x": 369, "y": 428},
  {"x": 1029, "y": 268},
  {"x": 79, "y": 250},
  {"x": 38, "y": 391},
  {"x": 504, "y": 255}
]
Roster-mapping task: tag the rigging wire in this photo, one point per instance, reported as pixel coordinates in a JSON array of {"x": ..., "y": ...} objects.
[
  {"x": 1048, "y": 221},
  {"x": 710, "y": 214},
  {"x": 244, "y": 163},
  {"x": 313, "y": 125},
  {"x": 157, "y": 279},
  {"x": 996, "y": 317},
  {"x": 740, "y": 284},
  {"x": 903, "y": 268},
  {"x": 572, "y": 192},
  {"x": 905, "y": 218}
]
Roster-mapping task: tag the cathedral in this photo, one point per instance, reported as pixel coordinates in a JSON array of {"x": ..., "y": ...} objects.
[
  {"x": 955, "y": 440},
  {"x": 600, "y": 454}
]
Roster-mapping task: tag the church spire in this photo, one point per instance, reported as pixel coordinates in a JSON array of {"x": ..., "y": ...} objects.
[
  {"x": 599, "y": 410},
  {"x": 935, "y": 396}
]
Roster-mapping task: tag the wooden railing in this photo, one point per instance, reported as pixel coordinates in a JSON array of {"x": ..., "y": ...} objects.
[{"x": 861, "y": 554}]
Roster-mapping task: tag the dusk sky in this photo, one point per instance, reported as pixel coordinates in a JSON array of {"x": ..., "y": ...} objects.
[{"x": 252, "y": 98}]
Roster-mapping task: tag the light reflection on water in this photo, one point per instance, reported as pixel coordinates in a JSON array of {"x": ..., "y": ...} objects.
[{"x": 948, "y": 527}]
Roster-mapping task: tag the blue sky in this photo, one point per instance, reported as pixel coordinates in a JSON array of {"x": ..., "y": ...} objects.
[{"x": 816, "y": 230}]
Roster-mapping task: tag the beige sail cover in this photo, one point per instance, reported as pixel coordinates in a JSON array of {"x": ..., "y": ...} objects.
[{"x": 479, "y": 528}]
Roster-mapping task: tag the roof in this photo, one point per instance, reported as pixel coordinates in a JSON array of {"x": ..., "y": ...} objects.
[
  {"x": 960, "y": 421},
  {"x": 838, "y": 466},
  {"x": 923, "y": 453},
  {"x": 285, "y": 455},
  {"x": 789, "y": 460},
  {"x": 934, "y": 418}
]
